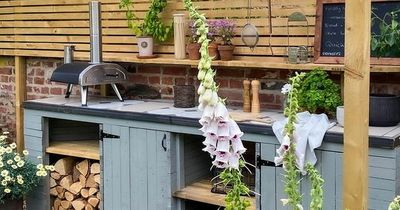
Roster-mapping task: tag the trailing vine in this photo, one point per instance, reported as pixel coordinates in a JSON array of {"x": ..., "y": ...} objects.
[
  {"x": 292, "y": 176},
  {"x": 221, "y": 132}
]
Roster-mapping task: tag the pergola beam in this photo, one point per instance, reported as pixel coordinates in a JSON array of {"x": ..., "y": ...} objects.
[{"x": 356, "y": 103}]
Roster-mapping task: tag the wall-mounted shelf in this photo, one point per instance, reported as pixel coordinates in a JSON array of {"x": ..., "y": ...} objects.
[
  {"x": 201, "y": 192},
  {"x": 83, "y": 148}
]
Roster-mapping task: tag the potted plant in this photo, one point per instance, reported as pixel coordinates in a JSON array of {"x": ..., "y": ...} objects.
[
  {"x": 18, "y": 175},
  {"x": 319, "y": 94},
  {"x": 193, "y": 47},
  {"x": 387, "y": 42},
  {"x": 150, "y": 28},
  {"x": 212, "y": 36},
  {"x": 226, "y": 32}
]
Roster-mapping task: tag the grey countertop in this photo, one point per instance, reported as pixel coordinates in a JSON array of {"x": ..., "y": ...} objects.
[{"x": 162, "y": 111}]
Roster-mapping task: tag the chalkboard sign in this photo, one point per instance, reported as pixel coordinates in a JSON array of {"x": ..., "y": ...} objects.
[{"x": 329, "y": 35}]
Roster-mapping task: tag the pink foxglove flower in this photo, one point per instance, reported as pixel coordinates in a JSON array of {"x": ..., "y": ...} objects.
[
  {"x": 209, "y": 141},
  {"x": 210, "y": 149},
  {"x": 234, "y": 161},
  {"x": 222, "y": 156},
  {"x": 220, "y": 164},
  {"x": 237, "y": 146},
  {"x": 223, "y": 146}
]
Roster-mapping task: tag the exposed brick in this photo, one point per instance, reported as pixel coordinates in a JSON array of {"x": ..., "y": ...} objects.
[
  {"x": 49, "y": 64},
  {"x": 44, "y": 90},
  {"x": 32, "y": 62},
  {"x": 30, "y": 80},
  {"x": 39, "y": 80},
  {"x": 167, "y": 90},
  {"x": 223, "y": 83},
  {"x": 138, "y": 79},
  {"x": 180, "y": 81},
  {"x": 193, "y": 72},
  {"x": 176, "y": 71},
  {"x": 6, "y": 70},
  {"x": 167, "y": 81},
  {"x": 56, "y": 91},
  {"x": 255, "y": 73},
  {"x": 235, "y": 95},
  {"x": 237, "y": 84},
  {"x": 149, "y": 69},
  {"x": 267, "y": 98},
  {"x": 39, "y": 72},
  {"x": 4, "y": 78},
  {"x": 230, "y": 73},
  {"x": 154, "y": 80}
]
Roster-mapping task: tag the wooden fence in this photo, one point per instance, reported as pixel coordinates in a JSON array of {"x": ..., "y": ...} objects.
[{"x": 41, "y": 28}]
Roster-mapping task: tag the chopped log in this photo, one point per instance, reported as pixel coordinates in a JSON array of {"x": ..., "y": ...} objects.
[
  {"x": 90, "y": 182},
  {"x": 65, "y": 204},
  {"x": 98, "y": 195},
  {"x": 60, "y": 189},
  {"x": 53, "y": 182},
  {"x": 97, "y": 178},
  {"x": 64, "y": 166},
  {"x": 69, "y": 196},
  {"x": 53, "y": 191},
  {"x": 89, "y": 207},
  {"x": 75, "y": 188},
  {"x": 55, "y": 175},
  {"x": 79, "y": 204},
  {"x": 66, "y": 182},
  {"x": 82, "y": 180},
  {"x": 83, "y": 167},
  {"x": 62, "y": 208},
  {"x": 61, "y": 195},
  {"x": 95, "y": 168},
  {"x": 93, "y": 201},
  {"x": 85, "y": 192},
  {"x": 57, "y": 203},
  {"x": 93, "y": 191},
  {"x": 75, "y": 174}
]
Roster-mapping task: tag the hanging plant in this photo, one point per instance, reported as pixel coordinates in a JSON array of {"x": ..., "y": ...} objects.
[
  {"x": 222, "y": 134},
  {"x": 293, "y": 175}
]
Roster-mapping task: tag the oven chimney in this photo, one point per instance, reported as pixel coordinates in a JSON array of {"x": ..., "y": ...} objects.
[{"x": 95, "y": 32}]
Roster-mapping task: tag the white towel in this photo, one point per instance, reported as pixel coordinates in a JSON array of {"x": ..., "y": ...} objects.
[{"x": 310, "y": 130}]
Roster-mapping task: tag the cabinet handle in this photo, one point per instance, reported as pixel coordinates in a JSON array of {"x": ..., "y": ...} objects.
[{"x": 163, "y": 142}]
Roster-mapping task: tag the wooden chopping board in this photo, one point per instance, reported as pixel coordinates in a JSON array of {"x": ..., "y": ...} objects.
[{"x": 248, "y": 116}]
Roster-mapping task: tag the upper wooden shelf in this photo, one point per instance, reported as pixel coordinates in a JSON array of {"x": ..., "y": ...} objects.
[
  {"x": 83, "y": 149},
  {"x": 201, "y": 192}
]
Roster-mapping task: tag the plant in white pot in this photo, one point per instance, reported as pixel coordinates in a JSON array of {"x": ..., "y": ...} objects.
[{"x": 151, "y": 28}]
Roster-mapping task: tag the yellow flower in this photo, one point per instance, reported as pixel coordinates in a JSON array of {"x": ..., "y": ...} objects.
[
  {"x": 20, "y": 177},
  {"x": 39, "y": 166},
  {"x": 4, "y": 173},
  {"x": 6, "y": 132},
  {"x": 17, "y": 158},
  {"x": 51, "y": 168},
  {"x": 38, "y": 173},
  {"x": 21, "y": 163},
  {"x": 13, "y": 145},
  {"x": 25, "y": 152},
  {"x": 7, "y": 178},
  {"x": 20, "y": 181},
  {"x": 1, "y": 164},
  {"x": 4, "y": 182},
  {"x": 39, "y": 157},
  {"x": 7, "y": 190},
  {"x": 9, "y": 162},
  {"x": 14, "y": 166},
  {"x": 8, "y": 150}
]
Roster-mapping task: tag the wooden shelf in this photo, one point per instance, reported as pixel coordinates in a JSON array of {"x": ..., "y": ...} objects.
[
  {"x": 83, "y": 149},
  {"x": 201, "y": 191}
]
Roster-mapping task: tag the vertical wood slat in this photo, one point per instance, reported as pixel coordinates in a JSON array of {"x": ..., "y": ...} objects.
[
  {"x": 20, "y": 97},
  {"x": 356, "y": 101}
]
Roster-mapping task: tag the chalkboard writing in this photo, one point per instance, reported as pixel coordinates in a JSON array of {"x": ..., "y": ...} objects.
[{"x": 331, "y": 25}]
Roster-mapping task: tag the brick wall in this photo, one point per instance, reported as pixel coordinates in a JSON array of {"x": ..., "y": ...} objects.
[{"x": 39, "y": 71}]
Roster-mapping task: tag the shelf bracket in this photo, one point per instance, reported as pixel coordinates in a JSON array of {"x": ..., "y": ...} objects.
[
  {"x": 261, "y": 162},
  {"x": 108, "y": 136}
]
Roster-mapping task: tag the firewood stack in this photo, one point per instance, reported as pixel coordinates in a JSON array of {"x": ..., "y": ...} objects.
[{"x": 75, "y": 184}]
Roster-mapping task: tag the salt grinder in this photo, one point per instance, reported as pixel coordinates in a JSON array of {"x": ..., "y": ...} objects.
[
  {"x": 255, "y": 104},
  {"x": 246, "y": 96}
]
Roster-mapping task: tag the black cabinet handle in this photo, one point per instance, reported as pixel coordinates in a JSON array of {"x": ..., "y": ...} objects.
[
  {"x": 163, "y": 142},
  {"x": 112, "y": 75}
]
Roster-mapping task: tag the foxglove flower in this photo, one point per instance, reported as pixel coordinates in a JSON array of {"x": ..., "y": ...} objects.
[
  {"x": 234, "y": 161},
  {"x": 237, "y": 146},
  {"x": 222, "y": 156},
  {"x": 223, "y": 146},
  {"x": 286, "y": 88},
  {"x": 219, "y": 164}
]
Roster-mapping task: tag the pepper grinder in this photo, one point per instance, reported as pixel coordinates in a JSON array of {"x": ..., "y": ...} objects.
[
  {"x": 246, "y": 96},
  {"x": 255, "y": 104}
]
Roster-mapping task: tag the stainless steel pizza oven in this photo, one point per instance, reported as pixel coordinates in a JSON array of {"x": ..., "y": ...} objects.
[{"x": 94, "y": 73}]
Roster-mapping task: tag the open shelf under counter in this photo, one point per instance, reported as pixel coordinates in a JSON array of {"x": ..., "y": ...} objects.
[
  {"x": 83, "y": 148},
  {"x": 200, "y": 191}
]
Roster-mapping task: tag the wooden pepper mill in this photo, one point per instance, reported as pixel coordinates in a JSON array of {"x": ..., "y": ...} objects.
[
  {"x": 246, "y": 96},
  {"x": 255, "y": 104}
]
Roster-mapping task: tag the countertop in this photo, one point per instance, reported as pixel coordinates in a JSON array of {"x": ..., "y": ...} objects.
[{"x": 161, "y": 111}]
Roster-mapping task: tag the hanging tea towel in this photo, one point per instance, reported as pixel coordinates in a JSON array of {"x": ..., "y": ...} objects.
[{"x": 310, "y": 130}]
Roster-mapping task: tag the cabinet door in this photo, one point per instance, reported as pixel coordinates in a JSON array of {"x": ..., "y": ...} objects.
[
  {"x": 137, "y": 167},
  {"x": 269, "y": 184}
]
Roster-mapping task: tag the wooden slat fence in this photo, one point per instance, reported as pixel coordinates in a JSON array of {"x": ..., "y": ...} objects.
[{"x": 42, "y": 27}]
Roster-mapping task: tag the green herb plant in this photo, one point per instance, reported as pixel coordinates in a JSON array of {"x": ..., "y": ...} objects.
[
  {"x": 292, "y": 176},
  {"x": 152, "y": 25},
  {"x": 318, "y": 93},
  {"x": 18, "y": 175},
  {"x": 387, "y": 42},
  {"x": 229, "y": 176},
  {"x": 395, "y": 204}
]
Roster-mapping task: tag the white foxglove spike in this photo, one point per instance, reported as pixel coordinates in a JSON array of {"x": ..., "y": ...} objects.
[
  {"x": 207, "y": 96},
  {"x": 222, "y": 156},
  {"x": 212, "y": 128},
  {"x": 234, "y": 130},
  {"x": 223, "y": 130},
  {"x": 214, "y": 99},
  {"x": 219, "y": 164},
  {"x": 201, "y": 89},
  {"x": 234, "y": 161},
  {"x": 221, "y": 112},
  {"x": 210, "y": 141},
  {"x": 210, "y": 149}
]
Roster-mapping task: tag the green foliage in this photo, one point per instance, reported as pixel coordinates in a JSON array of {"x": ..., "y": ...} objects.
[
  {"x": 387, "y": 42},
  {"x": 319, "y": 93},
  {"x": 18, "y": 175},
  {"x": 152, "y": 24},
  {"x": 233, "y": 178},
  {"x": 395, "y": 204},
  {"x": 317, "y": 193}
]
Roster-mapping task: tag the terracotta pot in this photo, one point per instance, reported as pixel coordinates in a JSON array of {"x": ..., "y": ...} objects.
[
  {"x": 226, "y": 52},
  {"x": 193, "y": 50},
  {"x": 145, "y": 45},
  {"x": 12, "y": 205},
  {"x": 213, "y": 50}
]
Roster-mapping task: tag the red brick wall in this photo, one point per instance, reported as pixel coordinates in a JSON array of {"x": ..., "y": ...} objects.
[{"x": 39, "y": 71}]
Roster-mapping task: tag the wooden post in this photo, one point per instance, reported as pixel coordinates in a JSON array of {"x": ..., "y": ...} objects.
[
  {"x": 356, "y": 103},
  {"x": 20, "y": 97}
]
